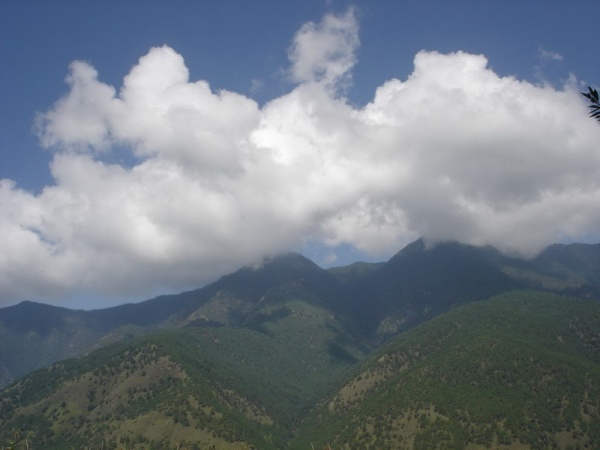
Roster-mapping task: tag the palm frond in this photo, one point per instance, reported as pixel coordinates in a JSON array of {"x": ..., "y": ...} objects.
[{"x": 594, "y": 98}]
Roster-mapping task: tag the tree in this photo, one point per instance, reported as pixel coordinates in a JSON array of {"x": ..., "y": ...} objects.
[{"x": 592, "y": 96}]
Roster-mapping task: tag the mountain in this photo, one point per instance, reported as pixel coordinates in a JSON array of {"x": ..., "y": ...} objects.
[
  {"x": 419, "y": 282},
  {"x": 572, "y": 269},
  {"x": 372, "y": 301},
  {"x": 34, "y": 335},
  {"x": 232, "y": 387},
  {"x": 235, "y": 299},
  {"x": 521, "y": 370}
]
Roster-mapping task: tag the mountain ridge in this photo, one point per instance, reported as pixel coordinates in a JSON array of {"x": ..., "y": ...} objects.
[
  {"x": 520, "y": 370},
  {"x": 376, "y": 302}
]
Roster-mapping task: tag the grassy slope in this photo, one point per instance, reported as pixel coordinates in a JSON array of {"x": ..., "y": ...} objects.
[{"x": 522, "y": 369}]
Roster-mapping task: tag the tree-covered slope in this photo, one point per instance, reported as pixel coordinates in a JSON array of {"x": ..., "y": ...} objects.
[
  {"x": 519, "y": 371},
  {"x": 377, "y": 301},
  {"x": 197, "y": 386},
  {"x": 34, "y": 335}
]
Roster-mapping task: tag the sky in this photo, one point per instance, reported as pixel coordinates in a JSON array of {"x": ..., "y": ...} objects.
[{"x": 150, "y": 147}]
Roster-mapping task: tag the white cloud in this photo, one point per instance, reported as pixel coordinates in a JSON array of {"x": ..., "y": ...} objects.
[
  {"x": 325, "y": 52},
  {"x": 547, "y": 55},
  {"x": 452, "y": 152}
]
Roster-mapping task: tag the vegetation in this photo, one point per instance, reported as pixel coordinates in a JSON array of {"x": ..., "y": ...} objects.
[
  {"x": 521, "y": 368},
  {"x": 219, "y": 386},
  {"x": 248, "y": 360},
  {"x": 592, "y": 96},
  {"x": 374, "y": 300}
]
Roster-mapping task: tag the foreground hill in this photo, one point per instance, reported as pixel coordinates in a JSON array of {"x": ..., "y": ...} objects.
[
  {"x": 197, "y": 386},
  {"x": 521, "y": 370},
  {"x": 372, "y": 301}
]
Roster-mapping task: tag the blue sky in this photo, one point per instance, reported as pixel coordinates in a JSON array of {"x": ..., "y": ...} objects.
[
  {"x": 231, "y": 43},
  {"x": 293, "y": 113}
]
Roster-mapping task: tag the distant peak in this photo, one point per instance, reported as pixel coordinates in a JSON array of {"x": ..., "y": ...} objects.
[
  {"x": 31, "y": 304},
  {"x": 290, "y": 259},
  {"x": 415, "y": 247}
]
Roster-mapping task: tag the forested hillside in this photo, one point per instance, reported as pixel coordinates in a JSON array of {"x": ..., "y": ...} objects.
[
  {"x": 197, "y": 385},
  {"x": 452, "y": 344},
  {"x": 376, "y": 301},
  {"x": 518, "y": 371}
]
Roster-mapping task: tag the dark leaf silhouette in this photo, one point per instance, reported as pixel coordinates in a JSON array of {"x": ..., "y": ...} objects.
[{"x": 592, "y": 96}]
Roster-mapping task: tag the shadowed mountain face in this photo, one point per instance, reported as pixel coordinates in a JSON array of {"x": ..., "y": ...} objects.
[
  {"x": 373, "y": 301},
  {"x": 419, "y": 283}
]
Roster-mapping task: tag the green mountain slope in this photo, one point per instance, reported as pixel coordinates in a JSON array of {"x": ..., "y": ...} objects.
[
  {"x": 197, "y": 386},
  {"x": 519, "y": 371},
  {"x": 34, "y": 335},
  {"x": 373, "y": 300}
]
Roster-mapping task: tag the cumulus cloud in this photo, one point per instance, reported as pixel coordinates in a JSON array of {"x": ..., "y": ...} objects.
[
  {"x": 325, "y": 52},
  {"x": 213, "y": 181}
]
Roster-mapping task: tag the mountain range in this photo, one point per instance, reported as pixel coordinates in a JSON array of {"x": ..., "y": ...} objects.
[{"x": 289, "y": 354}]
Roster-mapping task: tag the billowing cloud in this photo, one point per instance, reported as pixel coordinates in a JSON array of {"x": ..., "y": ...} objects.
[
  {"x": 212, "y": 181},
  {"x": 325, "y": 52}
]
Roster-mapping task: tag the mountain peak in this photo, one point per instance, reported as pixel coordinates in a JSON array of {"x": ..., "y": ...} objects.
[
  {"x": 414, "y": 247},
  {"x": 292, "y": 260}
]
